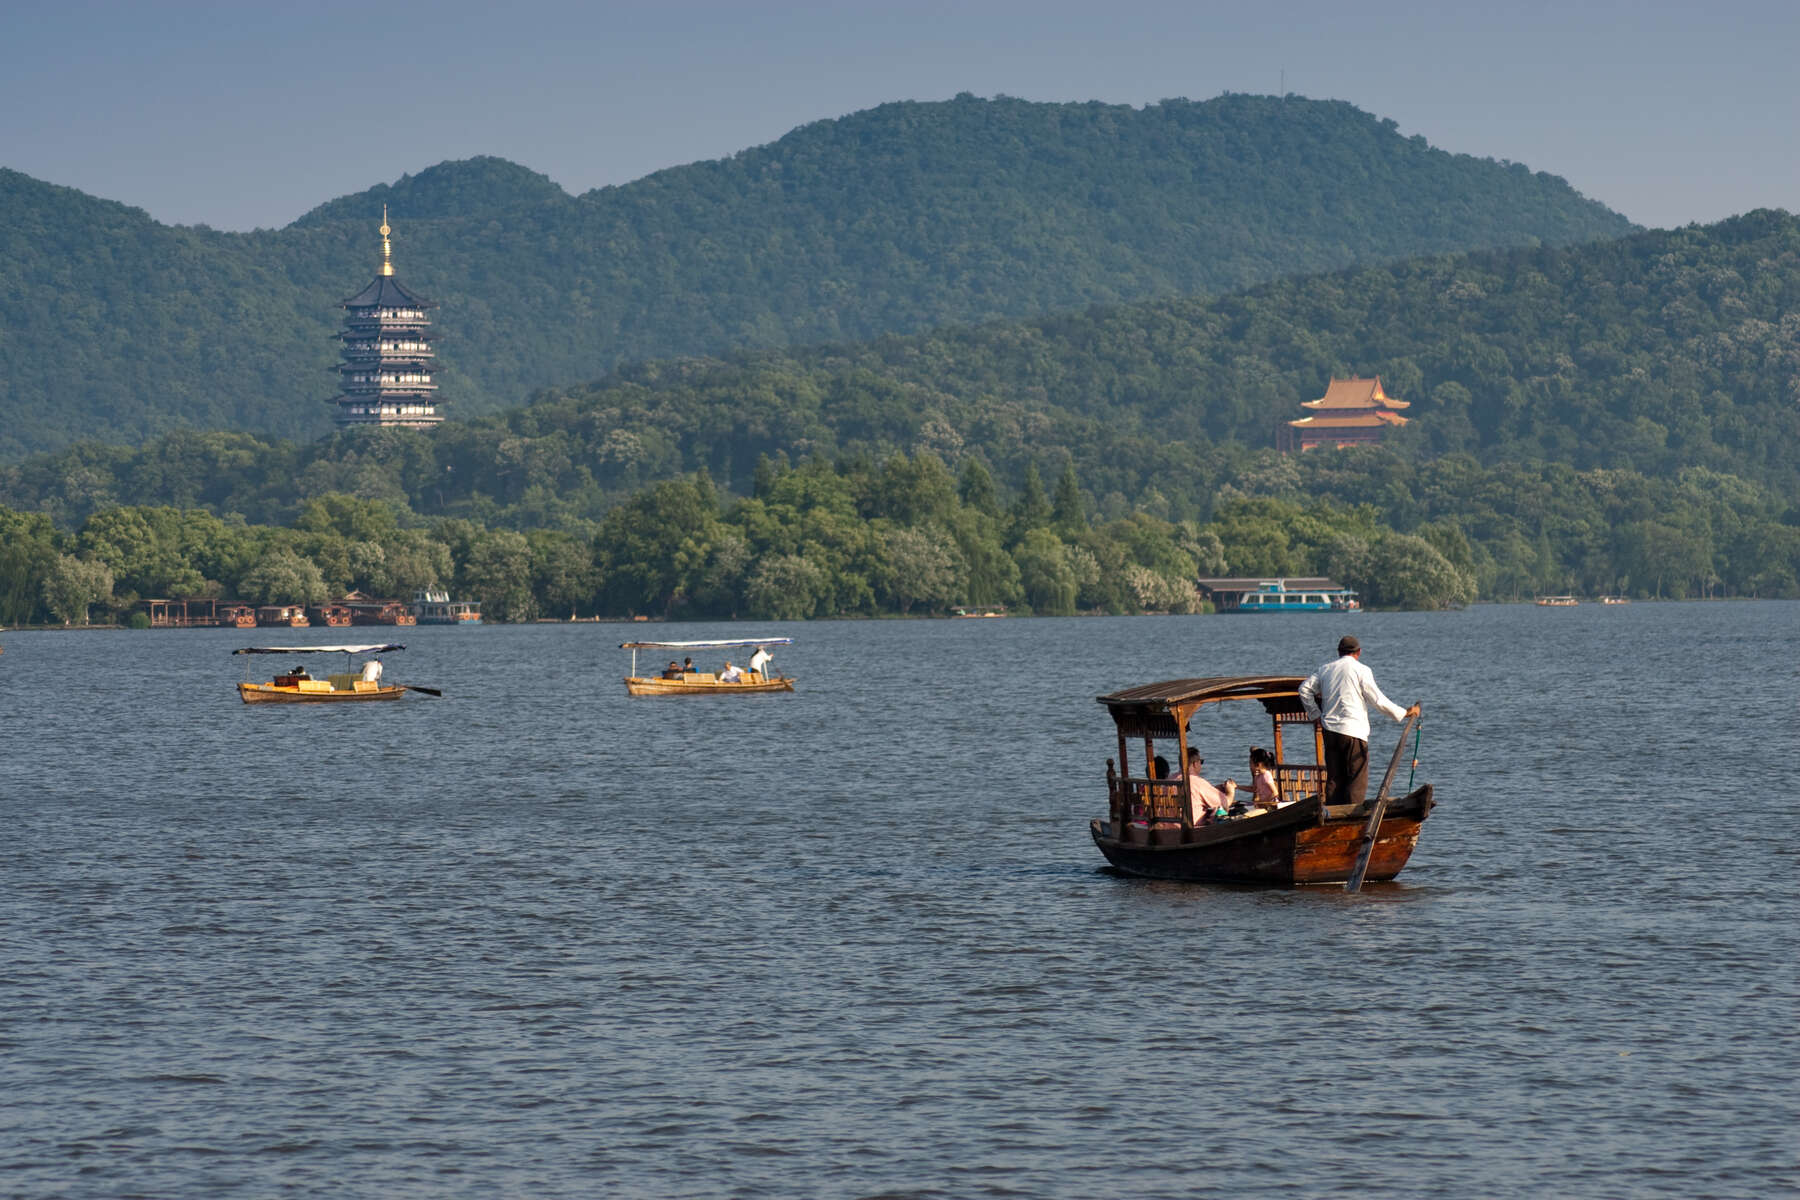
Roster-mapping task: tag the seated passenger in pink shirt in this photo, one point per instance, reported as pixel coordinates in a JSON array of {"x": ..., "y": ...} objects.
[{"x": 1205, "y": 800}]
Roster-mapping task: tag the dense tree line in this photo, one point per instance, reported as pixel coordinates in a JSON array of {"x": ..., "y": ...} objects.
[
  {"x": 898, "y": 219},
  {"x": 815, "y": 540},
  {"x": 907, "y": 535}
]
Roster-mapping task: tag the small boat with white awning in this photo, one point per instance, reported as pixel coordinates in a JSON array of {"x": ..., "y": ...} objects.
[
  {"x": 297, "y": 685},
  {"x": 679, "y": 679}
]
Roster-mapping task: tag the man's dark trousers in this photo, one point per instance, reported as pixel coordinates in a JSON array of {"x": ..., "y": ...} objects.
[{"x": 1346, "y": 768}]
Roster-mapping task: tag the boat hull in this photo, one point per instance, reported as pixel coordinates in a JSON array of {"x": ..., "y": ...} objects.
[
  {"x": 1304, "y": 843},
  {"x": 270, "y": 693},
  {"x": 637, "y": 686}
]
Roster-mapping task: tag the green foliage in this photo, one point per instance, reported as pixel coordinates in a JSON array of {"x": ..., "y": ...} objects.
[
  {"x": 281, "y": 576},
  {"x": 73, "y": 586},
  {"x": 28, "y": 552},
  {"x": 1640, "y": 439},
  {"x": 900, "y": 218}
]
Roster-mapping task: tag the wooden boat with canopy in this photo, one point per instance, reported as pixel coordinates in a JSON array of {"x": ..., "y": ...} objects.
[
  {"x": 296, "y": 686},
  {"x": 677, "y": 682},
  {"x": 1151, "y": 830}
]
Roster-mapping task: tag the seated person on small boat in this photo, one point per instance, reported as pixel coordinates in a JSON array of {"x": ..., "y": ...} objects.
[
  {"x": 1204, "y": 800},
  {"x": 1159, "y": 770},
  {"x": 1262, "y": 773},
  {"x": 687, "y": 666},
  {"x": 672, "y": 671},
  {"x": 730, "y": 674}
]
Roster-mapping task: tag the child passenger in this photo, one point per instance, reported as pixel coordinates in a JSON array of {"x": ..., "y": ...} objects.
[{"x": 1262, "y": 776}]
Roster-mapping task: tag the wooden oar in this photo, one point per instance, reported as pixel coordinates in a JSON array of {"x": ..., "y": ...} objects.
[
  {"x": 413, "y": 687},
  {"x": 1370, "y": 830}
]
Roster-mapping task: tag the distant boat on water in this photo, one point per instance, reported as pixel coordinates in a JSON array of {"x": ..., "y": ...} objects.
[
  {"x": 1557, "y": 602},
  {"x": 1252, "y": 595},
  {"x": 431, "y": 607}
]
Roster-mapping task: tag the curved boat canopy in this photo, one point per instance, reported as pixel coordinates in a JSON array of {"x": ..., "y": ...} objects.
[
  {"x": 716, "y": 645},
  {"x": 373, "y": 649},
  {"x": 1163, "y": 709}
]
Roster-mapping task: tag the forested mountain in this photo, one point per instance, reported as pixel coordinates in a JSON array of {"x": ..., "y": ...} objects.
[
  {"x": 1621, "y": 416},
  {"x": 894, "y": 220}
]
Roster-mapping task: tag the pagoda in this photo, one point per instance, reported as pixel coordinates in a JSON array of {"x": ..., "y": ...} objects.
[
  {"x": 1352, "y": 412},
  {"x": 386, "y": 372}
]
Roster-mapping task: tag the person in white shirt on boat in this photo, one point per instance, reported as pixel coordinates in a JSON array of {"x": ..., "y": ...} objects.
[
  {"x": 1338, "y": 696},
  {"x": 371, "y": 672},
  {"x": 730, "y": 674},
  {"x": 759, "y": 662}
]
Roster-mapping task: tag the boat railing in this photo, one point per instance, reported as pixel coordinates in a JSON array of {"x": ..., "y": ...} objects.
[
  {"x": 1146, "y": 801},
  {"x": 1296, "y": 781}
]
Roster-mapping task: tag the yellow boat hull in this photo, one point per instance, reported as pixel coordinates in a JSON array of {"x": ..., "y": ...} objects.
[
  {"x": 270, "y": 693},
  {"x": 702, "y": 687}
]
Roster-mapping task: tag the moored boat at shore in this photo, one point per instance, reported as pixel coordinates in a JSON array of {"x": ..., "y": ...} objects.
[
  {"x": 433, "y": 607},
  {"x": 367, "y": 610},
  {"x": 334, "y": 616},
  {"x": 291, "y": 615},
  {"x": 1557, "y": 602},
  {"x": 1252, "y": 595},
  {"x": 1152, "y": 829}
]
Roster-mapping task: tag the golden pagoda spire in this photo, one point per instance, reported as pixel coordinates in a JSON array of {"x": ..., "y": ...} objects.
[{"x": 387, "y": 253}]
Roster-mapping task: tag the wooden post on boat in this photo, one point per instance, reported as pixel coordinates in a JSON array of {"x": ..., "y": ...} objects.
[
  {"x": 1372, "y": 830},
  {"x": 1115, "y": 807},
  {"x": 1181, "y": 765}
]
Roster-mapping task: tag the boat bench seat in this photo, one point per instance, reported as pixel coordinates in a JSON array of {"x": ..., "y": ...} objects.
[
  {"x": 314, "y": 685},
  {"x": 699, "y": 677}
]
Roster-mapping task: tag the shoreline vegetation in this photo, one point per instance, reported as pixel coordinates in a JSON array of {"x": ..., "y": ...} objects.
[
  {"x": 117, "y": 627},
  {"x": 905, "y": 537}
]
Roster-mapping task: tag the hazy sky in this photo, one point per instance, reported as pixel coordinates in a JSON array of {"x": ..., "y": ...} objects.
[{"x": 248, "y": 114}]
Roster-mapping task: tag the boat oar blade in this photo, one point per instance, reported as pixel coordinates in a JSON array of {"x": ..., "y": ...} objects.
[
  {"x": 413, "y": 687},
  {"x": 1372, "y": 830}
]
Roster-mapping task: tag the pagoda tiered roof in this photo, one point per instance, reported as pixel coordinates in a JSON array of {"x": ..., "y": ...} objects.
[
  {"x": 387, "y": 292},
  {"x": 387, "y": 359}
]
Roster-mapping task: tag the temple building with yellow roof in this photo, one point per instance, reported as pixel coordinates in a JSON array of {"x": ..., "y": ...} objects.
[{"x": 1352, "y": 412}]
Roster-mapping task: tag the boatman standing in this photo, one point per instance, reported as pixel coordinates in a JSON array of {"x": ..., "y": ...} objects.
[
  {"x": 1338, "y": 696},
  {"x": 371, "y": 672},
  {"x": 759, "y": 662}
]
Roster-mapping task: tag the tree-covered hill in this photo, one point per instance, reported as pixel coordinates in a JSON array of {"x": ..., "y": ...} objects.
[
  {"x": 1620, "y": 415},
  {"x": 1658, "y": 352},
  {"x": 894, "y": 220}
]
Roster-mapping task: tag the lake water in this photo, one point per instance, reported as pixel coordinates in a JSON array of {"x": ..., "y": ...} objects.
[{"x": 539, "y": 939}]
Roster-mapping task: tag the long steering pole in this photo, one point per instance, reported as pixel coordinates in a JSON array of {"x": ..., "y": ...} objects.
[{"x": 1367, "y": 847}]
